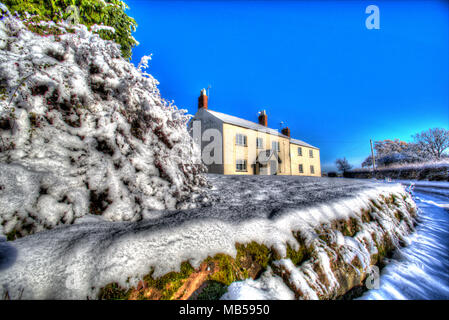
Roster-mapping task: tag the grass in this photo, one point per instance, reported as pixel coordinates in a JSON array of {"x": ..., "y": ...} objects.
[{"x": 171, "y": 282}]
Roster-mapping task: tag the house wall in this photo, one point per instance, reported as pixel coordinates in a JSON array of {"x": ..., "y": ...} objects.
[
  {"x": 209, "y": 122},
  {"x": 233, "y": 152},
  {"x": 305, "y": 160}
]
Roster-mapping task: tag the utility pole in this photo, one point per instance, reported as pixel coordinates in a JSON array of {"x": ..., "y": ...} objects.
[{"x": 373, "y": 159}]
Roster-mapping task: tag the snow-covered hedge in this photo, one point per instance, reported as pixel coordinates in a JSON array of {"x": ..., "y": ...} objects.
[
  {"x": 432, "y": 170},
  {"x": 84, "y": 131},
  {"x": 304, "y": 248}
]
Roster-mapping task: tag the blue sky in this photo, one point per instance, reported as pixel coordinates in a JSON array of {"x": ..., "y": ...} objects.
[{"x": 313, "y": 65}]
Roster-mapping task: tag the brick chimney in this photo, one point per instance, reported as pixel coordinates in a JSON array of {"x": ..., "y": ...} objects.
[
  {"x": 286, "y": 131},
  {"x": 202, "y": 100},
  {"x": 263, "y": 119}
]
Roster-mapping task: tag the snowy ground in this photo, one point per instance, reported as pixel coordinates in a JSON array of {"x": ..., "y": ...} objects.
[
  {"x": 270, "y": 196},
  {"x": 73, "y": 262},
  {"x": 420, "y": 270}
]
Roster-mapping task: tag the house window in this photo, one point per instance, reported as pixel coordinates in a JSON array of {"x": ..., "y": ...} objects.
[
  {"x": 259, "y": 143},
  {"x": 312, "y": 170},
  {"x": 240, "y": 139},
  {"x": 276, "y": 146},
  {"x": 299, "y": 151},
  {"x": 301, "y": 169},
  {"x": 240, "y": 165},
  {"x": 311, "y": 153}
]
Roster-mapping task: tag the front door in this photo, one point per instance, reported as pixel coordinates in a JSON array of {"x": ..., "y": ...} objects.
[{"x": 273, "y": 167}]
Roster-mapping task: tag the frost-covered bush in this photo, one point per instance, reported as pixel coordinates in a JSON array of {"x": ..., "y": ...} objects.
[
  {"x": 87, "y": 12},
  {"x": 430, "y": 170},
  {"x": 429, "y": 145},
  {"x": 84, "y": 131},
  {"x": 441, "y": 164}
]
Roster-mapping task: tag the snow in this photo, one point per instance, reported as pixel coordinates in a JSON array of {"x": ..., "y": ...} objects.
[
  {"x": 421, "y": 183},
  {"x": 96, "y": 28},
  {"x": 268, "y": 287},
  {"x": 419, "y": 270},
  {"x": 433, "y": 164},
  {"x": 84, "y": 131},
  {"x": 429, "y": 187},
  {"x": 298, "y": 279},
  {"x": 74, "y": 262}
]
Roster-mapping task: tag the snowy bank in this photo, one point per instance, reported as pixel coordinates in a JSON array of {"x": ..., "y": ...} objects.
[
  {"x": 309, "y": 238},
  {"x": 419, "y": 271},
  {"x": 440, "y": 188},
  {"x": 84, "y": 131}
]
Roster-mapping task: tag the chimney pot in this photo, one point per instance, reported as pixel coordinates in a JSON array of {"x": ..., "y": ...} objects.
[
  {"x": 202, "y": 100},
  {"x": 263, "y": 119},
  {"x": 286, "y": 131}
]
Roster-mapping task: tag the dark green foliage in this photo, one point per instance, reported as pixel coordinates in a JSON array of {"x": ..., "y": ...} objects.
[
  {"x": 257, "y": 254},
  {"x": 213, "y": 291},
  {"x": 297, "y": 257},
  {"x": 229, "y": 269},
  {"x": 13, "y": 235},
  {"x": 113, "y": 291},
  {"x": 108, "y": 12}
]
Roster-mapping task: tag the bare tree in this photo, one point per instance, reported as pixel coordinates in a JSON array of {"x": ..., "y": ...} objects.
[
  {"x": 343, "y": 165},
  {"x": 386, "y": 147},
  {"x": 433, "y": 141},
  {"x": 368, "y": 162}
]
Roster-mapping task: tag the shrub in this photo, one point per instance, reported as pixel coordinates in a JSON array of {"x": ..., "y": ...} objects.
[{"x": 90, "y": 12}]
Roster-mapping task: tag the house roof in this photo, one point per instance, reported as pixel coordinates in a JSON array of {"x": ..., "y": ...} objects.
[
  {"x": 301, "y": 143},
  {"x": 244, "y": 123},
  {"x": 226, "y": 118}
]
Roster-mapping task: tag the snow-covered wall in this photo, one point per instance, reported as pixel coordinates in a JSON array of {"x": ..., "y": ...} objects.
[
  {"x": 319, "y": 250},
  {"x": 84, "y": 131}
]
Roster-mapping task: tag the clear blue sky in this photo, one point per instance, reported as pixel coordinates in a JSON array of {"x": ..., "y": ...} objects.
[{"x": 313, "y": 65}]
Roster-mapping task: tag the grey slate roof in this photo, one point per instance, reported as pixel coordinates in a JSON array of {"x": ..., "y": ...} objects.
[
  {"x": 244, "y": 123},
  {"x": 302, "y": 143},
  {"x": 226, "y": 118}
]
